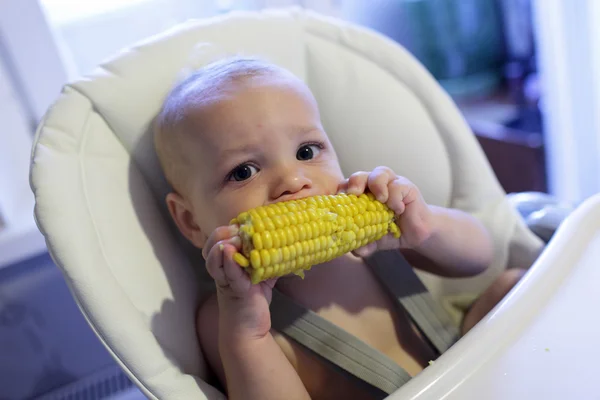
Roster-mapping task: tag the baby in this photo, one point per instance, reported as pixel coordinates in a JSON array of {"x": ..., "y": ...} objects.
[{"x": 241, "y": 133}]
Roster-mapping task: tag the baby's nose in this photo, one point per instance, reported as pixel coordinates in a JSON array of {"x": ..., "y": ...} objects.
[{"x": 291, "y": 186}]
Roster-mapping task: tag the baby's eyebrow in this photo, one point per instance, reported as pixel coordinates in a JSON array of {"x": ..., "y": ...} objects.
[
  {"x": 240, "y": 149},
  {"x": 303, "y": 130}
]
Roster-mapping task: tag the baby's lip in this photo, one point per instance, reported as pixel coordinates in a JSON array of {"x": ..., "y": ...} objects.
[
  {"x": 288, "y": 199},
  {"x": 299, "y": 197}
]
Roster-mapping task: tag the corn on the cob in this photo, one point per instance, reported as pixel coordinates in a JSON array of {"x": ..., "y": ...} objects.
[{"x": 292, "y": 236}]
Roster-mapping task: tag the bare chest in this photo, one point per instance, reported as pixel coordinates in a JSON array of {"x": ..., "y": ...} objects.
[{"x": 349, "y": 296}]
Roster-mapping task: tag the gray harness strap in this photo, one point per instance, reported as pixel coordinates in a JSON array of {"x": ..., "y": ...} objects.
[
  {"x": 348, "y": 353},
  {"x": 336, "y": 345},
  {"x": 392, "y": 269}
]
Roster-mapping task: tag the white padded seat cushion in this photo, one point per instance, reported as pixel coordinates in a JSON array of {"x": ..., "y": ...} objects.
[{"x": 99, "y": 190}]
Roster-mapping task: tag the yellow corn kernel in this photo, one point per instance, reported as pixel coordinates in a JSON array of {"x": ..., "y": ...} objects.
[
  {"x": 361, "y": 234},
  {"x": 259, "y": 226},
  {"x": 257, "y": 240},
  {"x": 317, "y": 244},
  {"x": 348, "y": 236},
  {"x": 262, "y": 213},
  {"x": 275, "y": 255},
  {"x": 257, "y": 275},
  {"x": 278, "y": 221},
  {"x": 293, "y": 218},
  {"x": 302, "y": 232},
  {"x": 269, "y": 226},
  {"x": 309, "y": 231},
  {"x": 267, "y": 239},
  {"x": 305, "y": 247},
  {"x": 295, "y": 233},
  {"x": 255, "y": 259},
  {"x": 290, "y": 237},
  {"x": 299, "y": 249},
  {"x": 367, "y": 217},
  {"x": 324, "y": 241},
  {"x": 277, "y": 235},
  {"x": 271, "y": 210},
  {"x": 240, "y": 259},
  {"x": 265, "y": 258},
  {"x": 285, "y": 254}
]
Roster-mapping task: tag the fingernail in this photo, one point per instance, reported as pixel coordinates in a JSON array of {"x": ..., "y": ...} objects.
[
  {"x": 236, "y": 241},
  {"x": 234, "y": 229}
]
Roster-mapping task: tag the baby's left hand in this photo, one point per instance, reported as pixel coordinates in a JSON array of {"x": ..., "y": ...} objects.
[{"x": 403, "y": 197}]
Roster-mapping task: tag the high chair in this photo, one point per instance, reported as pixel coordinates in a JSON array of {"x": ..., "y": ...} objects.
[{"x": 100, "y": 204}]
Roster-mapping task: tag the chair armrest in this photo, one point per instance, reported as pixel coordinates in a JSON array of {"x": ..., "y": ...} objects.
[{"x": 543, "y": 213}]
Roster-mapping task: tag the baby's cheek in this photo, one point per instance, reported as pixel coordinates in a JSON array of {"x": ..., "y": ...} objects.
[
  {"x": 333, "y": 180},
  {"x": 226, "y": 210}
]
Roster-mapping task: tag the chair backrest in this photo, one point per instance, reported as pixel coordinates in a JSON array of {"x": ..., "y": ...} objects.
[{"x": 99, "y": 189}]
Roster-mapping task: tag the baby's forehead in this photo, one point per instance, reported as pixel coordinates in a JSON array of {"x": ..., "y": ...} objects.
[
  {"x": 212, "y": 127},
  {"x": 245, "y": 100},
  {"x": 199, "y": 108},
  {"x": 224, "y": 75}
]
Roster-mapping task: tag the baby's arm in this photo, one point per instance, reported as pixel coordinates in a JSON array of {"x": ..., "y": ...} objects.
[
  {"x": 248, "y": 367},
  {"x": 458, "y": 245},
  {"x": 439, "y": 240},
  {"x": 234, "y": 331}
]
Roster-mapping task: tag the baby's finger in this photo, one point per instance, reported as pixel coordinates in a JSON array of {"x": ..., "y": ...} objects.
[
  {"x": 219, "y": 234},
  {"x": 271, "y": 282},
  {"x": 388, "y": 242},
  {"x": 236, "y": 277},
  {"x": 214, "y": 266},
  {"x": 357, "y": 183},
  {"x": 365, "y": 250},
  {"x": 214, "y": 263},
  {"x": 398, "y": 191},
  {"x": 343, "y": 187},
  {"x": 378, "y": 182}
]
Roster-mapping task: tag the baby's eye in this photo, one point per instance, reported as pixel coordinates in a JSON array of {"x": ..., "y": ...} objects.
[
  {"x": 308, "y": 152},
  {"x": 242, "y": 172}
]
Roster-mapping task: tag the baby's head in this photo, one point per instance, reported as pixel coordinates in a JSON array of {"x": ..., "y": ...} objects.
[{"x": 237, "y": 134}]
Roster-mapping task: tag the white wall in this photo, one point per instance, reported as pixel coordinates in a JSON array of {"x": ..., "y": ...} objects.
[
  {"x": 30, "y": 44},
  {"x": 15, "y": 145},
  {"x": 568, "y": 36},
  {"x": 19, "y": 238},
  {"x": 31, "y": 75}
]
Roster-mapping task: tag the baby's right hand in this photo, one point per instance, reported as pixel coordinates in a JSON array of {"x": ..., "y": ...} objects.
[{"x": 241, "y": 304}]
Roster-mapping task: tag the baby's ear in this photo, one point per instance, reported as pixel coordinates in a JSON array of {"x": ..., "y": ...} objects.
[{"x": 183, "y": 215}]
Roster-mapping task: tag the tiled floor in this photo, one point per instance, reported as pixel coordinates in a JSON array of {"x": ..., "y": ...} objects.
[{"x": 45, "y": 342}]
